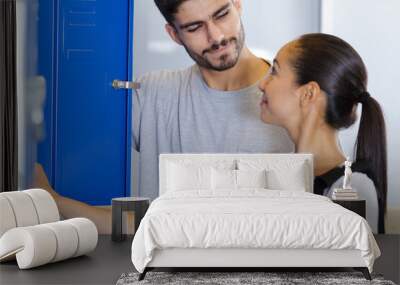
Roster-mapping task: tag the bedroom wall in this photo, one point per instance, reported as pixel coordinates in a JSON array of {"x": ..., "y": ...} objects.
[{"x": 368, "y": 25}]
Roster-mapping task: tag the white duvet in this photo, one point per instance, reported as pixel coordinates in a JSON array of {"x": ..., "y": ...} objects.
[{"x": 251, "y": 218}]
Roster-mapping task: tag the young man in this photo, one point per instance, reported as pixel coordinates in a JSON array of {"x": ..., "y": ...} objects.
[{"x": 210, "y": 107}]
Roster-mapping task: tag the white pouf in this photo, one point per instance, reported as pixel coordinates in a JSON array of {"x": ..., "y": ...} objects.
[{"x": 31, "y": 232}]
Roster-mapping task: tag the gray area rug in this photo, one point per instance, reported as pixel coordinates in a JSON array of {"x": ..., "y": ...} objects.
[{"x": 225, "y": 278}]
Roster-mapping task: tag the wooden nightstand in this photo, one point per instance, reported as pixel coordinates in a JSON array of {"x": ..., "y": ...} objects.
[
  {"x": 139, "y": 205},
  {"x": 357, "y": 206}
]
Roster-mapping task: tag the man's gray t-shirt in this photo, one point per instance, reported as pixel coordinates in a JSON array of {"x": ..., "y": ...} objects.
[{"x": 176, "y": 112}]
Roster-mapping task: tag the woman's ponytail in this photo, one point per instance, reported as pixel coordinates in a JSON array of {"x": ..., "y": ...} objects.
[{"x": 371, "y": 148}]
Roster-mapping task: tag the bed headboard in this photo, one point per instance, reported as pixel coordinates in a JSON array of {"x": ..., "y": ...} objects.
[{"x": 165, "y": 158}]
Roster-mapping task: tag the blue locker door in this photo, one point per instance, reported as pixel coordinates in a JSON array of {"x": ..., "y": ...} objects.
[{"x": 91, "y": 121}]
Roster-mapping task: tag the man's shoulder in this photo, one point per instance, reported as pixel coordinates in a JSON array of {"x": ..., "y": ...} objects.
[
  {"x": 166, "y": 77},
  {"x": 163, "y": 86}
]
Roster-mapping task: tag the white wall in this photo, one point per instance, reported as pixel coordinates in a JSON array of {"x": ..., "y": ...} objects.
[
  {"x": 271, "y": 24},
  {"x": 373, "y": 28},
  {"x": 153, "y": 49}
]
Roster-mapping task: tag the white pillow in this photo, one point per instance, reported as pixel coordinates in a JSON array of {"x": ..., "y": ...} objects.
[
  {"x": 187, "y": 177},
  {"x": 223, "y": 179},
  {"x": 251, "y": 178},
  {"x": 193, "y": 174},
  {"x": 282, "y": 174},
  {"x": 236, "y": 179},
  {"x": 293, "y": 180}
]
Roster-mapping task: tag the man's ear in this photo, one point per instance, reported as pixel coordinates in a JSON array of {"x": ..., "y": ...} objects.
[
  {"x": 173, "y": 33},
  {"x": 310, "y": 93}
]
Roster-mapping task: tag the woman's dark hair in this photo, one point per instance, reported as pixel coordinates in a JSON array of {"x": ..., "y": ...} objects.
[
  {"x": 168, "y": 8},
  {"x": 342, "y": 75}
]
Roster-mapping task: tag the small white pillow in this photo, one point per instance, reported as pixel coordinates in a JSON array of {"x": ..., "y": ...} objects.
[
  {"x": 251, "y": 178},
  {"x": 223, "y": 179},
  {"x": 282, "y": 174},
  {"x": 226, "y": 179},
  {"x": 293, "y": 180},
  {"x": 187, "y": 177}
]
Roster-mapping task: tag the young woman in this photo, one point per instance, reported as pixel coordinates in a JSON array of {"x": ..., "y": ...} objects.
[{"x": 312, "y": 90}]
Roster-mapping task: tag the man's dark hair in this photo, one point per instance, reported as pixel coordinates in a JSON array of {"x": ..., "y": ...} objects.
[{"x": 168, "y": 8}]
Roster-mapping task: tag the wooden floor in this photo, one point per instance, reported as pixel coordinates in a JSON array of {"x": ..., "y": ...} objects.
[
  {"x": 103, "y": 266},
  {"x": 110, "y": 260}
]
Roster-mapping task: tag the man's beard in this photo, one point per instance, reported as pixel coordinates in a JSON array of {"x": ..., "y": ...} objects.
[{"x": 225, "y": 62}]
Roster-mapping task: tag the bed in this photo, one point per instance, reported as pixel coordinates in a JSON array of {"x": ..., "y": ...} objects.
[{"x": 247, "y": 211}]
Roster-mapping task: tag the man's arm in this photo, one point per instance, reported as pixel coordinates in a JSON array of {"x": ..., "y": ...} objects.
[{"x": 70, "y": 208}]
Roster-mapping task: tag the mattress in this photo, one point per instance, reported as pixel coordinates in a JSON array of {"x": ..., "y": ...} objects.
[{"x": 250, "y": 219}]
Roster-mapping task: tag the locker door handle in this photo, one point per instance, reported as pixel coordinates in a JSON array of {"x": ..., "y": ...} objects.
[{"x": 119, "y": 84}]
